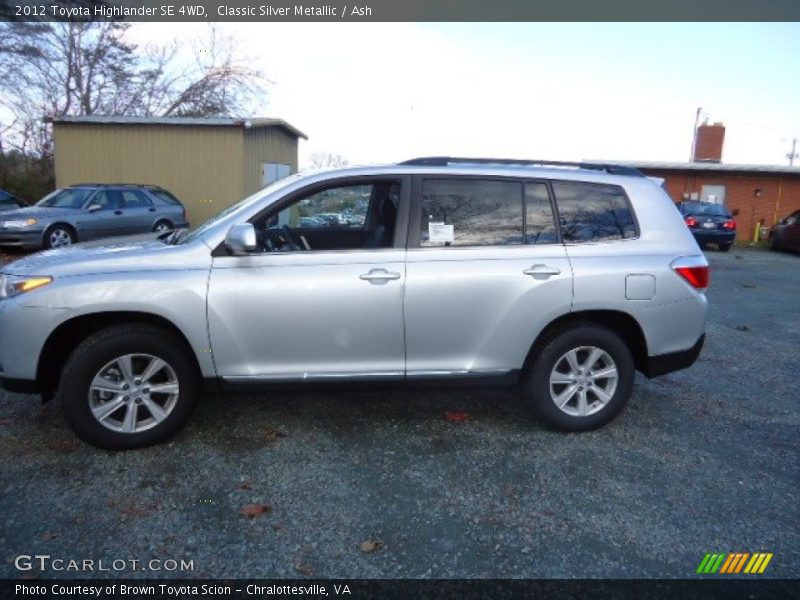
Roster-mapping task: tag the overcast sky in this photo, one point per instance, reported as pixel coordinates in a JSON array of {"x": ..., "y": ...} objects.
[{"x": 386, "y": 92}]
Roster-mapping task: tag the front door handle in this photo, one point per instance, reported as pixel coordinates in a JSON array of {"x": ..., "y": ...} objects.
[
  {"x": 379, "y": 275},
  {"x": 117, "y": 212},
  {"x": 542, "y": 270}
]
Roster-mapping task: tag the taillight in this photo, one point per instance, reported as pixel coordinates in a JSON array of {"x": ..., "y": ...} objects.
[
  {"x": 694, "y": 269},
  {"x": 729, "y": 224},
  {"x": 691, "y": 222}
]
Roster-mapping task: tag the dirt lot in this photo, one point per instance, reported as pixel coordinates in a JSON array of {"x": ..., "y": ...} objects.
[{"x": 704, "y": 460}]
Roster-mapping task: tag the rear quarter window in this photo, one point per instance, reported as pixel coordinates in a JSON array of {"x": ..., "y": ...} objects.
[
  {"x": 592, "y": 212},
  {"x": 164, "y": 197}
]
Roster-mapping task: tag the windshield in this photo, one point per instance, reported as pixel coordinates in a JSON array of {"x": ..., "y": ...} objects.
[
  {"x": 202, "y": 228},
  {"x": 714, "y": 210},
  {"x": 69, "y": 198}
]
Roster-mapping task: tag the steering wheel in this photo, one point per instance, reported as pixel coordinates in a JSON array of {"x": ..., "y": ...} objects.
[{"x": 288, "y": 236}]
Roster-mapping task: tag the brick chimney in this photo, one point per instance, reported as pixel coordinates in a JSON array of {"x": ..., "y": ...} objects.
[{"x": 708, "y": 147}]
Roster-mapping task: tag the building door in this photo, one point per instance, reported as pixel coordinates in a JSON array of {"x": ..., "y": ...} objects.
[
  {"x": 713, "y": 193},
  {"x": 271, "y": 172}
]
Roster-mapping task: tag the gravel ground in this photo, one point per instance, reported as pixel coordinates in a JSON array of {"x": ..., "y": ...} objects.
[{"x": 704, "y": 460}]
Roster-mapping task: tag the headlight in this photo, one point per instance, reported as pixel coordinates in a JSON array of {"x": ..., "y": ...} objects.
[
  {"x": 13, "y": 285},
  {"x": 19, "y": 223}
]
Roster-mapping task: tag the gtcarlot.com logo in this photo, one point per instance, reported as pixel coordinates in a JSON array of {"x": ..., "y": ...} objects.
[
  {"x": 734, "y": 562},
  {"x": 45, "y": 562}
]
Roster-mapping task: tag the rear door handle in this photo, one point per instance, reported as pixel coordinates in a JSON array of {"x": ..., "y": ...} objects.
[
  {"x": 379, "y": 275},
  {"x": 542, "y": 270}
]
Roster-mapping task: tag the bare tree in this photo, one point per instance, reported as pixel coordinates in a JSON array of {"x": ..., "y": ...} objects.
[
  {"x": 320, "y": 160},
  {"x": 80, "y": 68}
]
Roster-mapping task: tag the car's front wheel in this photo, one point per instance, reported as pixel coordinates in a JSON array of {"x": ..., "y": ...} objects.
[
  {"x": 581, "y": 378},
  {"x": 129, "y": 386},
  {"x": 59, "y": 236}
]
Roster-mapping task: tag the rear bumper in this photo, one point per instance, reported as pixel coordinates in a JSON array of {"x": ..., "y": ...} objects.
[
  {"x": 711, "y": 236},
  {"x": 675, "y": 361}
]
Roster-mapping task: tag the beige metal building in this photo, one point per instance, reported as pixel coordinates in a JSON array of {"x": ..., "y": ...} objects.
[{"x": 208, "y": 163}]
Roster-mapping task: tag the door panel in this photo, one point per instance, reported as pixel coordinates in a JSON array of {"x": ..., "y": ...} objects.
[
  {"x": 101, "y": 223},
  {"x": 308, "y": 315},
  {"x": 476, "y": 310},
  {"x": 485, "y": 275},
  {"x": 138, "y": 213}
]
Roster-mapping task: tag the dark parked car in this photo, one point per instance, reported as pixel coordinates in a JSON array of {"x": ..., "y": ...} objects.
[
  {"x": 9, "y": 202},
  {"x": 785, "y": 235},
  {"x": 709, "y": 223},
  {"x": 91, "y": 211}
]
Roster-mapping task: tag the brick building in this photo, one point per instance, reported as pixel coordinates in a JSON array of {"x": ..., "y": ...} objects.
[{"x": 757, "y": 195}]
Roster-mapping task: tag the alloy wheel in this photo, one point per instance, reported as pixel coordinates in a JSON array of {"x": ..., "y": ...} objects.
[
  {"x": 583, "y": 381},
  {"x": 133, "y": 393},
  {"x": 59, "y": 238}
]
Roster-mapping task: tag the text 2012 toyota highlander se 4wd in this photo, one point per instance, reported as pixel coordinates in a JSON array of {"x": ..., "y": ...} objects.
[{"x": 562, "y": 278}]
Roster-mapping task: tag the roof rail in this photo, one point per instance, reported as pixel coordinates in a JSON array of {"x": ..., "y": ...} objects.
[
  {"x": 444, "y": 161},
  {"x": 106, "y": 184}
]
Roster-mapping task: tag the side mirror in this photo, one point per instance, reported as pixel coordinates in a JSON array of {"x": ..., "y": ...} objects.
[
  {"x": 241, "y": 239},
  {"x": 95, "y": 208}
]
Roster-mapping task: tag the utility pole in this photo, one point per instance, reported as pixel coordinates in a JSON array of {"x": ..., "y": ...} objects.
[
  {"x": 793, "y": 154},
  {"x": 694, "y": 135}
]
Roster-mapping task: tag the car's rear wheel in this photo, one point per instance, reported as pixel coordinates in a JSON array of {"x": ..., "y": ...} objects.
[
  {"x": 129, "y": 387},
  {"x": 581, "y": 378},
  {"x": 162, "y": 227},
  {"x": 59, "y": 236}
]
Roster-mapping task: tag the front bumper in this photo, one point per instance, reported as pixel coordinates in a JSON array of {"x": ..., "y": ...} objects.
[
  {"x": 21, "y": 238},
  {"x": 675, "y": 361}
]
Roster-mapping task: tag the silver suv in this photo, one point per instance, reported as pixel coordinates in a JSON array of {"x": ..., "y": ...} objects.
[{"x": 560, "y": 278}]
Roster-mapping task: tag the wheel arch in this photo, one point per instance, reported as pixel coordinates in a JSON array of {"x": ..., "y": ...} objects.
[
  {"x": 64, "y": 338},
  {"x": 66, "y": 225},
  {"x": 621, "y": 323},
  {"x": 162, "y": 219}
]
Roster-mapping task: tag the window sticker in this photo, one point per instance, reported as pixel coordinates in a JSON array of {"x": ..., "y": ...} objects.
[{"x": 441, "y": 233}]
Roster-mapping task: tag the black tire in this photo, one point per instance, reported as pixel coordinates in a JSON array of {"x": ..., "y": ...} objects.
[
  {"x": 100, "y": 349},
  {"x": 725, "y": 247},
  {"x": 57, "y": 231},
  {"x": 161, "y": 223},
  {"x": 536, "y": 387}
]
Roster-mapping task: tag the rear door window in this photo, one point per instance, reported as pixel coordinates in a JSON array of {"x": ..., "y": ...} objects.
[
  {"x": 592, "y": 212},
  {"x": 135, "y": 199},
  {"x": 471, "y": 212}
]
